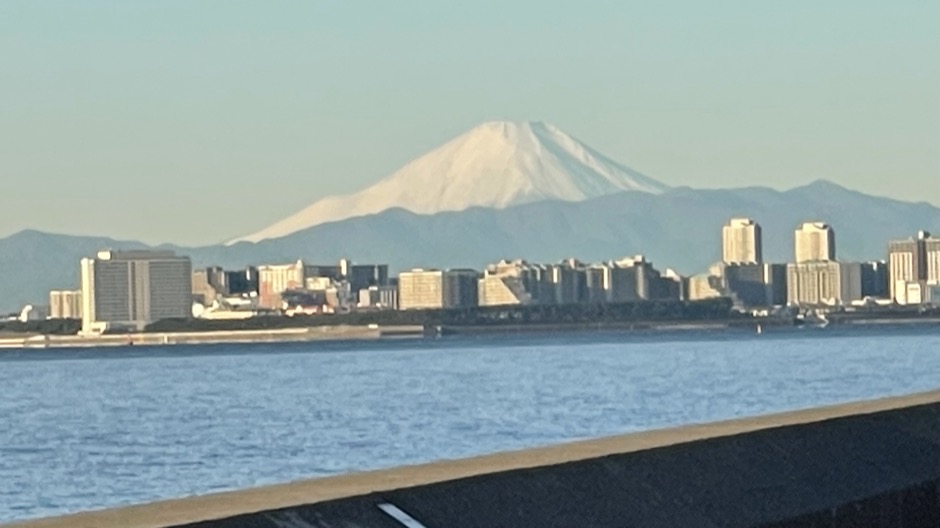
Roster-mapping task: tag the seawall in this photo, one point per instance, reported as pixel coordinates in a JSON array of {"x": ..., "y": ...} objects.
[
  {"x": 316, "y": 333},
  {"x": 861, "y": 464}
]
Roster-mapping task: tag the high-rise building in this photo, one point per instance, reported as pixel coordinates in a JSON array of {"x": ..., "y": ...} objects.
[
  {"x": 506, "y": 285},
  {"x": 741, "y": 242},
  {"x": 568, "y": 281},
  {"x": 819, "y": 283},
  {"x": 909, "y": 262},
  {"x": 65, "y": 304},
  {"x": 595, "y": 284},
  {"x": 130, "y": 289},
  {"x": 362, "y": 276},
  {"x": 274, "y": 280},
  {"x": 932, "y": 250},
  {"x": 875, "y": 279},
  {"x": 435, "y": 289},
  {"x": 814, "y": 242}
]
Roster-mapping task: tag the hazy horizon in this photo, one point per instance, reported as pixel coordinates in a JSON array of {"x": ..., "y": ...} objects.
[{"x": 193, "y": 123}]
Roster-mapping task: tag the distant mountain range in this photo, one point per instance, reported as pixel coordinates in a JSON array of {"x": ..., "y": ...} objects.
[
  {"x": 679, "y": 228},
  {"x": 496, "y": 165},
  {"x": 506, "y": 190}
]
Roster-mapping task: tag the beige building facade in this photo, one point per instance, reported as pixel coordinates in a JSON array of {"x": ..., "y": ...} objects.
[
  {"x": 65, "y": 304},
  {"x": 421, "y": 289},
  {"x": 823, "y": 283},
  {"x": 814, "y": 242},
  {"x": 742, "y": 242},
  {"x": 274, "y": 280}
]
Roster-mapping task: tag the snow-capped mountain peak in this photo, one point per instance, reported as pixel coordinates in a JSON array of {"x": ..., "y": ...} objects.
[{"x": 497, "y": 164}]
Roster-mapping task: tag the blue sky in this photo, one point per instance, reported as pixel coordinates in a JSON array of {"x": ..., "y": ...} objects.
[{"x": 193, "y": 122}]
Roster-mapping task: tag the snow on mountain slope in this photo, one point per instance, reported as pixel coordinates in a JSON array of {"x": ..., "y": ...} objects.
[{"x": 497, "y": 165}]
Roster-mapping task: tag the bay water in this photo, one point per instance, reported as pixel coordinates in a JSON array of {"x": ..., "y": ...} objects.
[{"x": 92, "y": 428}]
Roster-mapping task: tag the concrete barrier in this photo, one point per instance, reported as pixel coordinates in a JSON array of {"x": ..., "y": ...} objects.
[{"x": 863, "y": 464}]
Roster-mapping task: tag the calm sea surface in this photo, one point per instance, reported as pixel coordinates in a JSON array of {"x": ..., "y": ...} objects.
[{"x": 87, "y": 429}]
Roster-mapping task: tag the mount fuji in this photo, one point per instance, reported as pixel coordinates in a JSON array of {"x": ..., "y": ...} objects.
[{"x": 495, "y": 165}]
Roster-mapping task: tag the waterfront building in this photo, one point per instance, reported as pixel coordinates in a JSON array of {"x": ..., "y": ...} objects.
[
  {"x": 130, "y": 289},
  {"x": 624, "y": 281},
  {"x": 228, "y": 283},
  {"x": 274, "y": 280},
  {"x": 595, "y": 284},
  {"x": 775, "y": 279},
  {"x": 568, "y": 282},
  {"x": 755, "y": 285},
  {"x": 503, "y": 290},
  {"x": 819, "y": 283},
  {"x": 379, "y": 297},
  {"x": 506, "y": 283},
  {"x": 510, "y": 282},
  {"x": 346, "y": 278},
  {"x": 741, "y": 242},
  {"x": 204, "y": 292},
  {"x": 814, "y": 242},
  {"x": 435, "y": 289},
  {"x": 705, "y": 286},
  {"x": 748, "y": 285},
  {"x": 362, "y": 276},
  {"x": 65, "y": 304},
  {"x": 328, "y": 271},
  {"x": 912, "y": 264},
  {"x": 635, "y": 278},
  {"x": 932, "y": 251},
  {"x": 875, "y": 279}
]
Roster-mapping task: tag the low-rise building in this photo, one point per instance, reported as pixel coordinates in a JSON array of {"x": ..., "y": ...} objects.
[
  {"x": 435, "y": 289},
  {"x": 379, "y": 297},
  {"x": 823, "y": 283},
  {"x": 65, "y": 304}
]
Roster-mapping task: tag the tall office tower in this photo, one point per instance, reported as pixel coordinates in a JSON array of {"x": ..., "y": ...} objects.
[
  {"x": 741, "y": 242},
  {"x": 434, "y": 289},
  {"x": 910, "y": 262},
  {"x": 814, "y": 242},
  {"x": 130, "y": 289}
]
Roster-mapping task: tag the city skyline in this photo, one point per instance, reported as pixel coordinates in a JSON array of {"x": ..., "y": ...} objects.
[
  {"x": 327, "y": 98},
  {"x": 119, "y": 287}
]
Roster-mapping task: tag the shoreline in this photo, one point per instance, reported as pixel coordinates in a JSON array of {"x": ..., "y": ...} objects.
[
  {"x": 284, "y": 335},
  {"x": 341, "y": 333}
]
